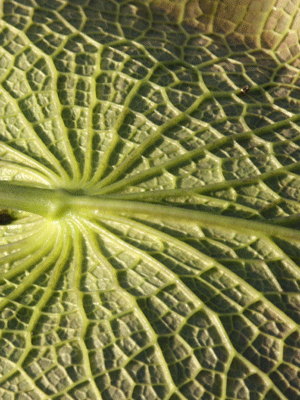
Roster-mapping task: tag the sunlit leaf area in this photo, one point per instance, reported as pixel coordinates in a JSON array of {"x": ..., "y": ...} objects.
[{"x": 149, "y": 200}]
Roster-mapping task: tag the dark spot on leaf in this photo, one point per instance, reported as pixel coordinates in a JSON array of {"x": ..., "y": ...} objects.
[
  {"x": 5, "y": 218},
  {"x": 245, "y": 89}
]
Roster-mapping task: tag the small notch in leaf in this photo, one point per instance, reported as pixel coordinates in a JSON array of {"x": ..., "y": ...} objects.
[{"x": 5, "y": 217}]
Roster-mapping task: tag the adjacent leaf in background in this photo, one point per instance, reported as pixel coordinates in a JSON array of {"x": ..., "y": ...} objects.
[{"x": 154, "y": 248}]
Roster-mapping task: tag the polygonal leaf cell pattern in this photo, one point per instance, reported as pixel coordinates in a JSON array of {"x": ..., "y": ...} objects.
[{"x": 168, "y": 106}]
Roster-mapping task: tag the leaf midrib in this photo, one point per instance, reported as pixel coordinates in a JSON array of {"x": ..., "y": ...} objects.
[{"x": 57, "y": 204}]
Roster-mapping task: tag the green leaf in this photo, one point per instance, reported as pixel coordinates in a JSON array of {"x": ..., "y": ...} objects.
[{"x": 149, "y": 200}]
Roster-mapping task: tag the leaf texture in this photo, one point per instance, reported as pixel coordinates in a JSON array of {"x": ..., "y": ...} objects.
[{"x": 176, "y": 276}]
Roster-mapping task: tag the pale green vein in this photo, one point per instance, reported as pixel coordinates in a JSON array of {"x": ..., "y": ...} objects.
[
  {"x": 120, "y": 119},
  {"x": 87, "y": 170},
  {"x": 55, "y": 204},
  {"x": 78, "y": 257},
  {"x": 284, "y": 35},
  {"x": 284, "y": 256},
  {"x": 191, "y": 197},
  {"x": 40, "y": 144},
  {"x": 61, "y": 253},
  {"x": 188, "y": 156},
  {"x": 100, "y": 208},
  {"x": 29, "y": 164},
  {"x": 173, "y": 278},
  {"x": 12, "y": 236},
  {"x": 166, "y": 272},
  {"x": 106, "y": 184},
  {"x": 90, "y": 235},
  {"x": 17, "y": 170},
  {"x": 208, "y": 260},
  {"x": 187, "y": 248},
  {"x": 136, "y": 153},
  {"x": 76, "y": 178},
  {"x": 38, "y": 263},
  {"x": 28, "y": 250},
  {"x": 224, "y": 185},
  {"x": 53, "y": 160},
  {"x": 38, "y": 141}
]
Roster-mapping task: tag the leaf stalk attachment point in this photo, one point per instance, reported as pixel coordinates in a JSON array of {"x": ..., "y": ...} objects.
[{"x": 49, "y": 203}]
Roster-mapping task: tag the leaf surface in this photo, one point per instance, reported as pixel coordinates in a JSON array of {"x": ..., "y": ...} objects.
[{"x": 150, "y": 163}]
